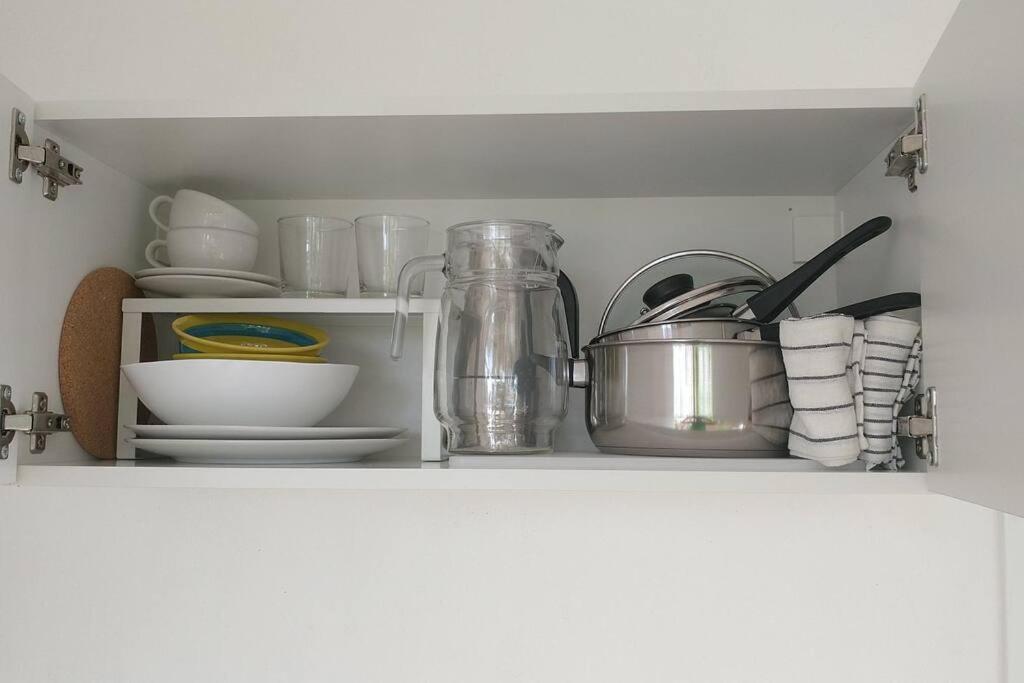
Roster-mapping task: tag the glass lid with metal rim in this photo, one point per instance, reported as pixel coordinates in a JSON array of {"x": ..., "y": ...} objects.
[{"x": 697, "y": 282}]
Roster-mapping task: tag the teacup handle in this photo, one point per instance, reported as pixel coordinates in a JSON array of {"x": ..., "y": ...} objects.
[
  {"x": 154, "y": 205},
  {"x": 151, "y": 253}
]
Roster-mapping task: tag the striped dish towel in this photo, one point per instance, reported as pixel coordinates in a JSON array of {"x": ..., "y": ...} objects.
[
  {"x": 816, "y": 352},
  {"x": 855, "y": 377},
  {"x": 770, "y": 410},
  {"x": 890, "y": 370}
]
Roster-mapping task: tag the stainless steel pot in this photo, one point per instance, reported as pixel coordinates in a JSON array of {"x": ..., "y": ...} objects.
[
  {"x": 675, "y": 385},
  {"x": 685, "y": 387},
  {"x": 709, "y": 397}
]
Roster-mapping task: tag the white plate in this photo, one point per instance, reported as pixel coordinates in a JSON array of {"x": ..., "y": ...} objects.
[
  {"x": 205, "y": 285},
  {"x": 242, "y": 432},
  {"x": 217, "y": 272},
  {"x": 265, "y": 452}
]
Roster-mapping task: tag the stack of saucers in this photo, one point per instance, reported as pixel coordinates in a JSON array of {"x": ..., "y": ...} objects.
[{"x": 206, "y": 282}]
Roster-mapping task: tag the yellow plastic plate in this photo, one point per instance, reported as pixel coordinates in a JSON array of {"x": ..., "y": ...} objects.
[
  {"x": 249, "y": 356},
  {"x": 239, "y": 333}
]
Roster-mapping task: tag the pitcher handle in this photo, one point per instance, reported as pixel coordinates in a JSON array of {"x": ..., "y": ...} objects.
[
  {"x": 416, "y": 266},
  {"x": 571, "y": 304}
]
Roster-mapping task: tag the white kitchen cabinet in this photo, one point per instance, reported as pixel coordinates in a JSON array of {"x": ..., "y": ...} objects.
[
  {"x": 563, "y": 568},
  {"x": 601, "y": 164},
  {"x": 328, "y": 58}
]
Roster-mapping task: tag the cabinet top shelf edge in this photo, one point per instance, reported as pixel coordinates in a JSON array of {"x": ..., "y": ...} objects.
[
  {"x": 282, "y": 305},
  {"x": 583, "y": 103}
]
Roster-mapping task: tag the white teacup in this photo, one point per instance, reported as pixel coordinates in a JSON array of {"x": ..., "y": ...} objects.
[
  {"x": 191, "y": 209},
  {"x": 191, "y": 247},
  {"x": 203, "y": 232}
]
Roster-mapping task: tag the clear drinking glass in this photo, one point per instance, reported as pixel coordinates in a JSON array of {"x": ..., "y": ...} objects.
[
  {"x": 385, "y": 243},
  {"x": 316, "y": 253}
]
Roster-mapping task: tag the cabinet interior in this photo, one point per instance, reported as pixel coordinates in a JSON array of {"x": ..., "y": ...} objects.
[{"x": 601, "y": 170}]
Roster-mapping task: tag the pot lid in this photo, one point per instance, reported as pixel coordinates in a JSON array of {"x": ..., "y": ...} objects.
[
  {"x": 696, "y": 282},
  {"x": 678, "y": 330},
  {"x": 702, "y": 297}
]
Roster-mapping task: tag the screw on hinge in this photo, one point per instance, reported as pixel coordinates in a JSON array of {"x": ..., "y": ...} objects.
[{"x": 21, "y": 118}]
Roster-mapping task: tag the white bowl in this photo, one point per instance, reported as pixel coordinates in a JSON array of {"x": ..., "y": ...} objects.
[{"x": 241, "y": 392}]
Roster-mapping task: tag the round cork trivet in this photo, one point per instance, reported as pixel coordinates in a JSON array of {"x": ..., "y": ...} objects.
[{"x": 89, "y": 357}]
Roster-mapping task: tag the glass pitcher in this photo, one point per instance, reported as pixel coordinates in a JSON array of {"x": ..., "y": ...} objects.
[{"x": 501, "y": 374}]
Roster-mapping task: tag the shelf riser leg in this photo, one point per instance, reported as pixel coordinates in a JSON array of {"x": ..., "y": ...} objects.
[
  {"x": 430, "y": 428},
  {"x": 128, "y": 400}
]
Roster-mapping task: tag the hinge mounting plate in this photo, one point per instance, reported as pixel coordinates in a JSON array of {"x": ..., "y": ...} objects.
[
  {"x": 923, "y": 426},
  {"x": 57, "y": 171},
  {"x": 38, "y": 422},
  {"x": 909, "y": 154}
]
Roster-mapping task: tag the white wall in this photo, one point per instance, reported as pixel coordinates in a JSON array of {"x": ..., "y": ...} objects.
[
  {"x": 316, "y": 55},
  {"x": 117, "y": 585}
]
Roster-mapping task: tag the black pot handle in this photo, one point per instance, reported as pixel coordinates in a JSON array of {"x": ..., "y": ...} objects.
[
  {"x": 860, "y": 310},
  {"x": 883, "y": 304},
  {"x": 767, "y": 305},
  {"x": 572, "y": 311}
]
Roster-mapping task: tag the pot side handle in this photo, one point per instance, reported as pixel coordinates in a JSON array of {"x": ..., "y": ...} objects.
[{"x": 579, "y": 373}]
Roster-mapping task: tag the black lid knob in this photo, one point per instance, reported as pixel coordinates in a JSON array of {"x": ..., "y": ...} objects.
[{"x": 667, "y": 289}]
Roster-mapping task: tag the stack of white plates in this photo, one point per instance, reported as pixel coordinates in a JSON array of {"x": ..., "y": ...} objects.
[
  {"x": 238, "y": 412},
  {"x": 240, "y": 445},
  {"x": 206, "y": 282}
]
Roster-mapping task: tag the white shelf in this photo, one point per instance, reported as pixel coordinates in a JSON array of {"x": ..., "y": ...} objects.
[
  {"x": 563, "y": 472},
  {"x": 681, "y": 144},
  {"x": 273, "y": 106},
  {"x": 356, "y": 306}
]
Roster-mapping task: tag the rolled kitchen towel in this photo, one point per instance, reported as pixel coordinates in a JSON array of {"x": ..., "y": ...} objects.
[
  {"x": 816, "y": 352},
  {"x": 911, "y": 373},
  {"x": 770, "y": 410},
  {"x": 911, "y": 377},
  {"x": 855, "y": 377},
  {"x": 890, "y": 374}
]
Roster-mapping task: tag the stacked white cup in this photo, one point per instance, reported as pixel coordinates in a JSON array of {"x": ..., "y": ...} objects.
[{"x": 203, "y": 232}]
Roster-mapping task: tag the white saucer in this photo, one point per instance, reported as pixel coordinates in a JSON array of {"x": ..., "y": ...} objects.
[
  {"x": 265, "y": 452},
  {"x": 205, "y": 285},
  {"x": 264, "y": 433},
  {"x": 237, "y": 274}
]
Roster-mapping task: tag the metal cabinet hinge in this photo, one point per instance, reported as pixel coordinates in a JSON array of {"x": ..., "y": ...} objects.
[
  {"x": 38, "y": 422},
  {"x": 57, "y": 171},
  {"x": 923, "y": 426},
  {"x": 909, "y": 154}
]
